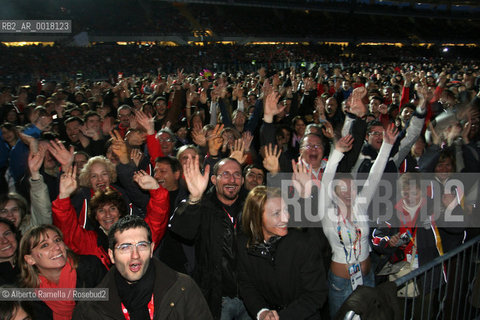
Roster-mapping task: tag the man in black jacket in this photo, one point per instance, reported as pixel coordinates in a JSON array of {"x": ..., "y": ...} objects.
[
  {"x": 211, "y": 218},
  {"x": 141, "y": 287}
]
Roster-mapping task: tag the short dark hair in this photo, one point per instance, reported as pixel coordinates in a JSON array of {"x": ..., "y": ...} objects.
[
  {"x": 12, "y": 228},
  {"x": 173, "y": 162},
  {"x": 160, "y": 98},
  {"x": 126, "y": 223},
  {"x": 104, "y": 197},
  {"x": 19, "y": 200},
  {"x": 90, "y": 114},
  {"x": 73, "y": 119},
  {"x": 253, "y": 166},
  {"x": 8, "y": 309},
  {"x": 374, "y": 123}
]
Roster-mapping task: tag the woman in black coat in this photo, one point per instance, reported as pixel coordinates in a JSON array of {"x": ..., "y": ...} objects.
[{"x": 280, "y": 271}]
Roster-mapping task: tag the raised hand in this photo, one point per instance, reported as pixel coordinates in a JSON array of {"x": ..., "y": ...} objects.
[
  {"x": 59, "y": 152},
  {"x": 269, "y": 315},
  {"x": 422, "y": 96},
  {"x": 107, "y": 125},
  {"x": 270, "y": 161},
  {"x": 35, "y": 161},
  {"x": 196, "y": 181},
  {"x": 247, "y": 139},
  {"x": 119, "y": 147},
  {"x": 136, "y": 155},
  {"x": 436, "y": 138},
  {"x": 270, "y": 106},
  {"x": 90, "y": 133},
  {"x": 328, "y": 130},
  {"x": 357, "y": 106},
  {"x": 320, "y": 105},
  {"x": 68, "y": 183},
  {"x": 199, "y": 138},
  {"x": 238, "y": 151},
  {"x": 267, "y": 88},
  {"x": 215, "y": 139},
  {"x": 390, "y": 134},
  {"x": 344, "y": 144},
  {"x": 30, "y": 141},
  {"x": 145, "y": 121},
  {"x": 180, "y": 75},
  {"x": 145, "y": 181},
  {"x": 203, "y": 96},
  {"x": 302, "y": 177}
]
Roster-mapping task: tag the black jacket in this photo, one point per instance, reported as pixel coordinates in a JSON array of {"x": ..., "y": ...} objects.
[
  {"x": 175, "y": 296},
  {"x": 290, "y": 280},
  {"x": 209, "y": 225}
]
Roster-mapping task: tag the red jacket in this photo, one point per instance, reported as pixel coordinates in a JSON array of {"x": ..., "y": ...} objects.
[{"x": 84, "y": 242}]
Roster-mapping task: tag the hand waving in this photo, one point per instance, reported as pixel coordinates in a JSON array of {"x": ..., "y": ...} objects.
[
  {"x": 119, "y": 147},
  {"x": 145, "y": 181},
  {"x": 270, "y": 162},
  {"x": 238, "y": 151},
  {"x": 63, "y": 156},
  {"x": 302, "y": 177},
  {"x": 390, "y": 134},
  {"x": 344, "y": 144},
  {"x": 35, "y": 161},
  {"x": 68, "y": 183},
  {"x": 145, "y": 121},
  {"x": 196, "y": 181}
]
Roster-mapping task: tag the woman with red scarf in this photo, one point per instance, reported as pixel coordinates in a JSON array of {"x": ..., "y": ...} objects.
[{"x": 47, "y": 263}]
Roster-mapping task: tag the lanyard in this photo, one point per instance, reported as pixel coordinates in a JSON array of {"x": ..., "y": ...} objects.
[
  {"x": 358, "y": 236},
  {"x": 231, "y": 218},
  {"x": 150, "y": 310}
]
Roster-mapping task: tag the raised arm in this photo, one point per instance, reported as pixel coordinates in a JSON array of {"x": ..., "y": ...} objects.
[
  {"x": 81, "y": 241},
  {"x": 187, "y": 217},
  {"x": 158, "y": 206},
  {"x": 376, "y": 171},
  {"x": 41, "y": 207}
]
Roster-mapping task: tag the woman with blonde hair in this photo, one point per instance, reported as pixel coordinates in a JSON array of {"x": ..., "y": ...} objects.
[
  {"x": 47, "y": 263},
  {"x": 280, "y": 273}
]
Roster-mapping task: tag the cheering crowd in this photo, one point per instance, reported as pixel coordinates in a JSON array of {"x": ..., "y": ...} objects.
[{"x": 136, "y": 182}]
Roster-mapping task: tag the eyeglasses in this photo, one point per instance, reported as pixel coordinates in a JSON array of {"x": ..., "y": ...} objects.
[
  {"x": 257, "y": 176},
  {"x": 376, "y": 133},
  {"x": 227, "y": 175},
  {"x": 141, "y": 246},
  {"x": 5, "y": 211},
  {"x": 313, "y": 146},
  {"x": 165, "y": 140}
]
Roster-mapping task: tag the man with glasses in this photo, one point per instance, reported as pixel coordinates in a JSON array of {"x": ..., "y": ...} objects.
[
  {"x": 253, "y": 176},
  {"x": 124, "y": 115},
  {"x": 140, "y": 286},
  {"x": 210, "y": 218},
  {"x": 404, "y": 143},
  {"x": 167, "y": 141},
  {"x": 312, "y": 152}
]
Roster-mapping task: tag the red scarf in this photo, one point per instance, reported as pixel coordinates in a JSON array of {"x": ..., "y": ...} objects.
[{"x": 62, "y": 310}]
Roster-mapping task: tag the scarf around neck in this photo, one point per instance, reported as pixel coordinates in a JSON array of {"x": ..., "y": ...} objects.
[
  {"x": 62, "y": 310},
  {"x": 136, "y": 296}
]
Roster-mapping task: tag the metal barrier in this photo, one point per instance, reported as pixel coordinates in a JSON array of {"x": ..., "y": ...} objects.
[{"x": 449, "y": 285}]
